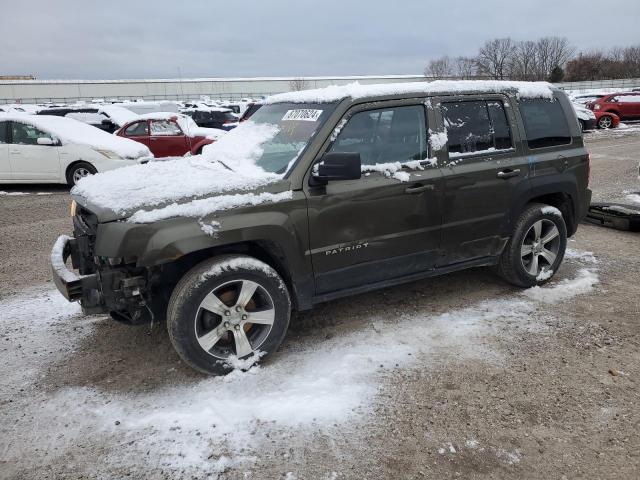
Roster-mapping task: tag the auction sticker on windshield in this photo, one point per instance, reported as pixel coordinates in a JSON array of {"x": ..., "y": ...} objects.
[{"x": 303, "y": 114}]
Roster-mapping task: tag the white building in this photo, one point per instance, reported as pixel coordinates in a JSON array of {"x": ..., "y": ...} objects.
[{"x": 38, "y": 91}]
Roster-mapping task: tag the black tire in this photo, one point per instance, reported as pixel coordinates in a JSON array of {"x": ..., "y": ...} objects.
[
  {"x": 222, "y": 279},
  {"x": 73, "y": 172},
  {"x": 514, "y": 266},
  {"x": 582, "y": 126},
  {"x": 605, "y": 122}
]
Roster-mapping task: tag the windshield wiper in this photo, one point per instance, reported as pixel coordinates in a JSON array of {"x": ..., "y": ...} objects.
[{"x": 225, "y": 165}]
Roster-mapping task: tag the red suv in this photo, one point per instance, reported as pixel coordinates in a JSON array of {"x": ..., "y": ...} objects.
[
  {"x": 624, "y": 105},
  {"x": 169, "y": 134}
]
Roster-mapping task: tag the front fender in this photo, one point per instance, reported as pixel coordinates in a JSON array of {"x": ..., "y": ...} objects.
[{"x": 283, "y": 223}]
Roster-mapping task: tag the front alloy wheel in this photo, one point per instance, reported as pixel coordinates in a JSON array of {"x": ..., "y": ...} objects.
[
  {"x": 225, "y": 309},
  {"x": 234, "y": 319}
]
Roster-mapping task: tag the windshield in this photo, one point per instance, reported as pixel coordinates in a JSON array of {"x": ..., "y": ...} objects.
[{"x": 297, "y": 123}]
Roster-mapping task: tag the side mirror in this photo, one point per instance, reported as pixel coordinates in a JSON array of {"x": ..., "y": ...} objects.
[
  {"x": 337, "y": 166},
  {"x": 45, "y": 141}
]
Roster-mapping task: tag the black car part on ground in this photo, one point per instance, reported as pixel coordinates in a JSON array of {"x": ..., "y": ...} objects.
[{"x": 615, "y": 215}]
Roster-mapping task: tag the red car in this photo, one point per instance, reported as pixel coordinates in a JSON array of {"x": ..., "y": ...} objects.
[
  {"x": 625, "y": 106},
  {"x": 169, "y": 134}
]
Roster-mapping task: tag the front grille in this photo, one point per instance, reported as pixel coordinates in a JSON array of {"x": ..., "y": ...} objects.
[{"x": 85, "y": 226}]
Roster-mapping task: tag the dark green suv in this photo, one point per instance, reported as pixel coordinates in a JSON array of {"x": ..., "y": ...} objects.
[{"x": 327, "y": 193}]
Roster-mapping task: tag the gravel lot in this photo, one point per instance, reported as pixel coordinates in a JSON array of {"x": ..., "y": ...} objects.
[{"x": 456, "y": 377}]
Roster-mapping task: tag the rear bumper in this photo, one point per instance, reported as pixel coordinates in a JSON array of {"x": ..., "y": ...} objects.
[{"x": 72, "y": 286}]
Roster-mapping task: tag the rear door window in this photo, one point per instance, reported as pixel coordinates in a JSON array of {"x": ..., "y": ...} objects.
[
  {"x": 545, "y": 123},
  {"x": 475, "y": 127}
]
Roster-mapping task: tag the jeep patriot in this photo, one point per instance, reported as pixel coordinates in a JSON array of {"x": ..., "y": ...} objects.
[{"x": 326, "y": 193}]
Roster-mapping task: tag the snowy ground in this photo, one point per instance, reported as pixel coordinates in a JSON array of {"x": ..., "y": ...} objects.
[{"x": 456, "y": 377}]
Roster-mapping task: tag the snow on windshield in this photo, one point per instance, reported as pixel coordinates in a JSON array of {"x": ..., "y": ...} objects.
[{"x": 228, "y": 164}]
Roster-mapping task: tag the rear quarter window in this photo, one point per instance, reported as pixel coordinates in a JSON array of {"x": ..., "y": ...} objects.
[{"x": 545, "y": 123}]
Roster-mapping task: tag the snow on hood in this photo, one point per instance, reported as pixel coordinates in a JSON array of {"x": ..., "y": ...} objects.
[
  {"x": 354, "y": 90},
  {"x": 226, "y": 165},
  {"x": 70, "y": 131}
]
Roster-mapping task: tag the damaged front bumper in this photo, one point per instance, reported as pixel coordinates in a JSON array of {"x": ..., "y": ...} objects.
[
  {"x": 72, "y": 286},
  {"x": 113, "y": 289}
]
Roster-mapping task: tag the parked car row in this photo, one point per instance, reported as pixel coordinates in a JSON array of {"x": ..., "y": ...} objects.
[{"x": 608, "y": 108}]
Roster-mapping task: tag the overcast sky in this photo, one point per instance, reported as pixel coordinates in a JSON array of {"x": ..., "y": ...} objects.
[{"x": 213, "y": 38}]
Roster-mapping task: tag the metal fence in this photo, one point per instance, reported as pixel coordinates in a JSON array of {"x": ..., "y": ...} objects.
[
  {"x": 232, "y": 97},
  {"x": 623, "y": 84}
]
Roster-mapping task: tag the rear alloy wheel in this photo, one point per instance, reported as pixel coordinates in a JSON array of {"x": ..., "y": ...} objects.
[
  {"x": 228, "y": 308},
  {"x": 536, "y": 249},
  {"x": 78, "y": 171},
  {"x": 606, "y": 121}
]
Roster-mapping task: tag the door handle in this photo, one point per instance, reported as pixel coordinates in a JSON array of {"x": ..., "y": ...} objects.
[
  {"x": 504, "y": 174},
  {"x": 418, "y": 189},
  {"x": 153, "y": 139},
  {"x": 15, "y": 151}
]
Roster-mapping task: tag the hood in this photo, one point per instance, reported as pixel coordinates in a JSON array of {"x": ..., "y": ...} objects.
[{"x": 226, "y": 168}]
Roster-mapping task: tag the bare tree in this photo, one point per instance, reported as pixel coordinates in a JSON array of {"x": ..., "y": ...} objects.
[
  {"x": 495, "y": 57},
  {"x": 298, "y": 84},
  {"x": 523, "y": 61},
  {"x": 439, "y": 68},
  {"x": 465, "y": 67},
  {"x": 551, "y": 52}
]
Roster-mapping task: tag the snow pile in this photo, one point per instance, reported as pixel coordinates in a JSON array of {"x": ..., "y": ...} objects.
[
  {"x": 394, "y": 169},
  {"x": 224, "y": 166},
  {"x": 57, "y": 260},
  {"x": 438, "y": 141},
  {"x": 565, "y": 289},
  {"x": 551, "y": 210},
  {"x": 70, "y": 131},
  {"x": 479, "y": 152},
  {"x": 354, "y": 90}
]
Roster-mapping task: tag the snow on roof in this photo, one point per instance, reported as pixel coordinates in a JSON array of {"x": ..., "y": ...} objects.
[
  {"x": 119, "y": 115},
  {"x": 70, "y": 131},
  {"x": 226, "y": 165},
  {"x": 354, "y": 90}
]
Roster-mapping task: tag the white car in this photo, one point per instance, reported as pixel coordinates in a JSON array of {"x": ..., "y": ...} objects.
[
  {"x": 50, "y": 149},
  {"x": 586, "y": 117}
]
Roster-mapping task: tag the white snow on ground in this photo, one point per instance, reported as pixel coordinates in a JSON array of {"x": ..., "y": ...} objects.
[
  {"x": 580, "y": 255},
  {"x": 355, "y": 90},
  {"x": 224, "y": 165},
  {"x": 38, "y": 311},
  {"x": 564, "y": 289},
  {"x": 624, "y": 129},
  {"x": 218, "y": 423},
  {"x": 20, "y": 194},
  {"x": 68, "y": 130}
]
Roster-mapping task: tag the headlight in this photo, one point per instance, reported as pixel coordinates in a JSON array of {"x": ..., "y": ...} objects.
[
  {"x": 108, "y": 153},
  {"x": 73, "y": 208},
  {"x": 596, "y": 107}
]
